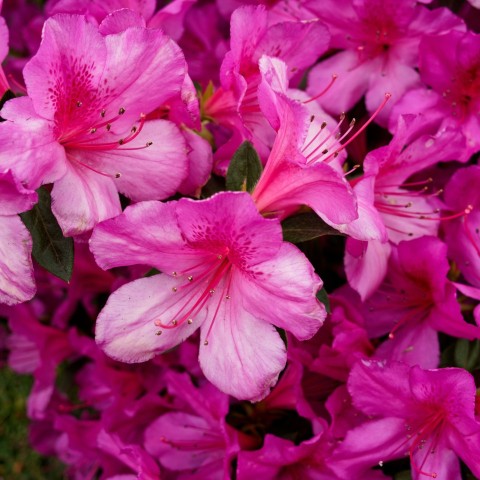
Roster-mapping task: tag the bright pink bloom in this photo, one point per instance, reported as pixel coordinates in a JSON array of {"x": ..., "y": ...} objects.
[
  {"x": 380, "y": 41},
  {"x": 416, "y": 301},
  {"x": 450, "y": 67},
  {"x": 16, "y": 270},
  {"x": 195, "y": 439},
  {"x": 83, "y": 124},
  {"x": 297, "y": 171},
  {"x": 4, "y": 86},
  {"x": 226, "y": 270},
  {"x": 390, "y": 204},
  {"x": 235, "y": 105},
  {"x": 427, "y": 415},
  {"x": 462, "y": 234}
]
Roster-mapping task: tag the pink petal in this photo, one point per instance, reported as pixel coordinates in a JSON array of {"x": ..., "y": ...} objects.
[
  {"x": 16, "y": 270},
  {"x": 52, "y": 69},
  {"x": 126, "y": 329},
  {"x": 13, "y": 196},
  {"x": 204, "y": 227},
  {"x": 137, "y": 237},
  {"x": 161, "y": 72},
  {"x": 151, "y": 173},
  {"x": 82, "y": 198},
  {"x": 282, "y": 291},
  {"x": 244, "y": 355},
  {"x": 366, "y": 265},
  {"x": 29, "y": 145}
]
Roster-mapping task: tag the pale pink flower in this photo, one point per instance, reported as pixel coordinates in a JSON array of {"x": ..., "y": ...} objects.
[
  {"x": 226, "y": 271},
  {"x": 83, "y": 125}
]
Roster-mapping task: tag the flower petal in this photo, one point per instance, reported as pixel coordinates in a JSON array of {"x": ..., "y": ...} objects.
[{"x": 126, "y": 329}]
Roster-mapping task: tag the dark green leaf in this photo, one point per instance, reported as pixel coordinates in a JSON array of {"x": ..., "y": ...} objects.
[
  {"x": 152, "y": 272},
  {"x": 323, "y": 297},
  {"x": 245, "y": 169},
  {"x": 467, "y": 354},
  {"x": 50, "y": 248},
  {"x": 306, "y": 226},
  {"x": 8, "y": 95}
]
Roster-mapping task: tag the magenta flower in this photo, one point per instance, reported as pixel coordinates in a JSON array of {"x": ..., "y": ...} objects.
[
  {"x": 298, "y": 170},
  {"x": 16, "y": 270},
  {"x": 416, "y": 301},
  {"x": 450, "y": 67},
  {"x": 427, "y": 415},
  {"x": 235, "y": 105},
  {"x": 380, "y": 41},
  {"x": 462, "y": 234},
  {"x": 83, "y": 126},
  {"x": 226, "y": 271},
  {"x": 195, "y": 439}
]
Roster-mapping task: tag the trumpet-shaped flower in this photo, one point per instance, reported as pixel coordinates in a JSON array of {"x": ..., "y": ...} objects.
[
  {"x": 83, "y": 125},
  {"x": 427, "y": 415},
  {"x": 225, "y": 270}
]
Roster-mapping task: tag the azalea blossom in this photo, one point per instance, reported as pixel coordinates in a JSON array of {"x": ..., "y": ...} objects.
[
  {"x": 426, "y": 415},
  {"x": 225, "y": 270},
  {"x": 83, "y": 124},
  {"x": 379, "y": 50}
]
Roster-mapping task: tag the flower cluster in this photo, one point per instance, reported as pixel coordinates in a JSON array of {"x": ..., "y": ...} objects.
[{"x": 242, "y": 239}]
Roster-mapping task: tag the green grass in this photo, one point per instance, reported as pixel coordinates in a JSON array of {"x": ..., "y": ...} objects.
[{"x": 18, "y": 461}]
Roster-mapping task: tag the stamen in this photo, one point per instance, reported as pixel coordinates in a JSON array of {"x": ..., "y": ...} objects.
[{"x": 324, "y": 91}]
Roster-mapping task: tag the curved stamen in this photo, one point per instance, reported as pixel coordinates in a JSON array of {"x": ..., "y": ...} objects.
[{"x": 324, "y": 91}]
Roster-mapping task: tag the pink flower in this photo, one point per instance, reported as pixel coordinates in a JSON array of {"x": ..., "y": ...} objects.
[
  {"x": 416, "y": 301},
  {"x": 450, "y": 67},
  {"x": 83, "y": 125},
  {"x": 16, "y": 270},
  {"x": 462, "y": 234},
  {"x": 298, "y": 170},
  {"x": 380, "y": 41},
  {"x": 427, "y": 415},
  {"x": 194, "y": 440},
  {"x": 226, "y": 271},
  {"x": 235, "y": 105}
]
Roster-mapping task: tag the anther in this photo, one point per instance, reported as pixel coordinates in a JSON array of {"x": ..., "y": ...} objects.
[
  {"x": 102, "y": 113},
  {"x": 189, "y": 278},
  {"x": 211, "y": 292},
  {"x": 219, "y": 257},
  {"x": 121, "y": 141},
  {"x": 174, "y": 274},
  {"x": 159, "y": 332},
  {"x": 174, "y": 289},
  {"x": 174, "y": 323},
  {"x": 118, "y": 175},
  {"x": 323, "y": 125},
  {"x": 148, "y": 144},
  {"x": 324, "y": 152},
  {"x": 121, "y": 111},
  {"x": 93, "y": 130},
  {"x": 79, "y": 104},
  {"x": 190, "y": 321},
  {"x": 227, "y": 297},
  {"x": 205, "y": 342},
  {"x": 312, "y": 118},
  {"x": 108, "y": 126},
  {"x": 134, "y": 129}
]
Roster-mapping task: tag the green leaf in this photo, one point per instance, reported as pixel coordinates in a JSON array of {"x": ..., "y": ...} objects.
[
  {"x": 322, "y": 296},
  {"x": 8, "y": 95},
  {"x": 467, "y": 354},
  {"x": 306, "y": 226},
  {"x": 51, "y": 249},
  {"x": 245, "y": 169}
]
